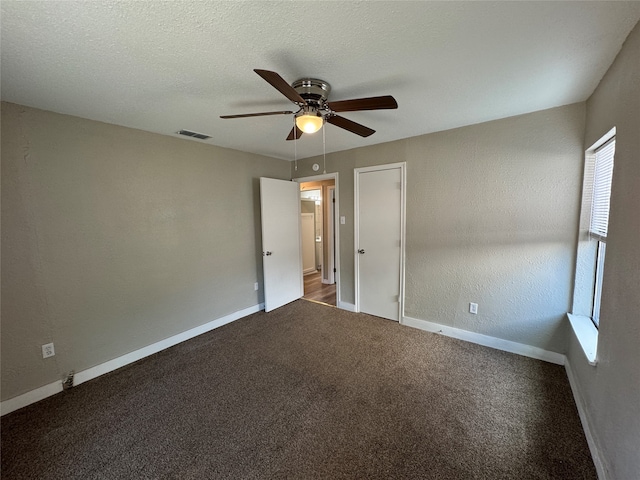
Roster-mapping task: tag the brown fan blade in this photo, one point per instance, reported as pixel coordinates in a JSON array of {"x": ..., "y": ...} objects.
[
  {"x": 281, "y": 85},
  {"x": 295, "y": 131},
  {"x": 350, "y": 125},
  {"x": 255, "y": 114},
  {"x": 371, "y": 103}
]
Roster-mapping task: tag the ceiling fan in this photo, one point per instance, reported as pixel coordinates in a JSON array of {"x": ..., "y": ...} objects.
[{"x": 310, "y": 95}]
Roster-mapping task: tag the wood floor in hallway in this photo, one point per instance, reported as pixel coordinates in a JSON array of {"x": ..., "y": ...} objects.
[{"x": 315, "y": 290}]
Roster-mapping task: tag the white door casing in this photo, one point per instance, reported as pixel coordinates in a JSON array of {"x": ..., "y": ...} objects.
[
  {"x": 380, "y": 240},
  {"x": 281, "y": 242}
]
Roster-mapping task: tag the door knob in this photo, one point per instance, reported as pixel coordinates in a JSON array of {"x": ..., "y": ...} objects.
[
  {"x": 266, "y": 253},
  {"x": 361, "y": 251}
]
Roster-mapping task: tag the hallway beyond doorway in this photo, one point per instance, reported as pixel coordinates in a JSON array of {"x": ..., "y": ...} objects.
[{"x": 317, "y": 291}]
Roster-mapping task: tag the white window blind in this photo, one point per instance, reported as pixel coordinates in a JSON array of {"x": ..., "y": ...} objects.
[{"x": 602, "y": 175}]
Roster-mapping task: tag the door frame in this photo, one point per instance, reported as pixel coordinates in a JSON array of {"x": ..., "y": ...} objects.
[
  {"x": 356, "y": 228},
  {"x": 331, "y": 246},
  {"x": 336, "y": 225}
]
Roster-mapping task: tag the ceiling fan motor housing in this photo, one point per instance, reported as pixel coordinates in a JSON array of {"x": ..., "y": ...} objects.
[{"x": 314, "y": 91}]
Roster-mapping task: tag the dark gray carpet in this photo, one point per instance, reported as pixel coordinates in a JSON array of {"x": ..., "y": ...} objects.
[{"x": 304, "y": 392}]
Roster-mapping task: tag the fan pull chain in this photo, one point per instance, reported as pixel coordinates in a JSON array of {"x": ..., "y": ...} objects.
[
  {"x": 324, "y": 150},
  {"x": 295, "y": 144}
]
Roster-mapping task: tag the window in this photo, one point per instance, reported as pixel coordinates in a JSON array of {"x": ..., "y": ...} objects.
[
  {"x": 592, "y": 244},
  {"x": 599, "y": 165}
]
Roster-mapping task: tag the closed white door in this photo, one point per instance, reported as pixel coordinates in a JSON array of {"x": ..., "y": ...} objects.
[
  {"x": 281, "y": 247},
  {"x": 379, "y": 240}
]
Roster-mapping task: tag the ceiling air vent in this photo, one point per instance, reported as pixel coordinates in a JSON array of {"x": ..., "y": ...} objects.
[{"x": 189, "y": 133}]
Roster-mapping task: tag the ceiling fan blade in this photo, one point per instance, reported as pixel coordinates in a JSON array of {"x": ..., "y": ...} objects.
[
  {"x": 371, "y": 103},
  {"x": 281, "y": 85},
  {"x": 255, "y": 114},
  {"x": 350, "y": 125},
  {"x": 295, "y": 131}
]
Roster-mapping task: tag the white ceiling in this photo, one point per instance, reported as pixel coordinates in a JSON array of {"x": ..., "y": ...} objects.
[{"x": 166, "y": 66}]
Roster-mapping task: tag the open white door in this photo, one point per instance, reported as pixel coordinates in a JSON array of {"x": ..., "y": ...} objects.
[{"x": 281, "y": 247}]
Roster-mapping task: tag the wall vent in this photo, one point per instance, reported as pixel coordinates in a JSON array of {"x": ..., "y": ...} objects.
[{"x": 189, "y": 133}]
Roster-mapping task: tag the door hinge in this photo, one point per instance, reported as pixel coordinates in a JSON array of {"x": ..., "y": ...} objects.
[{"x": 334, "y": 270}]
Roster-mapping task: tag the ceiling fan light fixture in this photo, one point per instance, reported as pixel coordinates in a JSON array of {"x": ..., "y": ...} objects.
[
  {"x": 311, "y": 95},
  {"x": 309, "y": 122}
]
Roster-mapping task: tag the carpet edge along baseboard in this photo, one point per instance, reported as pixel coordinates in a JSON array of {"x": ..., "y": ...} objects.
[
  {"x": 33, "y": 396},
  {"x": 40, "y": 393}
]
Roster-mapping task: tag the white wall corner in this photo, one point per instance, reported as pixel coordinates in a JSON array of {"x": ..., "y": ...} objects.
[
  {"x": 45, "y": 391},
  {"x": 598, "y": 458},
  {"x": 486, "y": 340}
]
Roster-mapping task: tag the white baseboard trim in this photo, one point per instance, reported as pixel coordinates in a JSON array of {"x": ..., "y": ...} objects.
[
  {"x": 598, "y": 459},
  {"x": 45, "y": 391},
  {"x": 30, "y": 397},
  {"x": 487, "y": 341},
  {"x": 347, "y": 306}
]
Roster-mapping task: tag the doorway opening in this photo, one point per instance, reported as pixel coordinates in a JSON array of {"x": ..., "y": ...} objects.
[{"x": 318, "y": 215}]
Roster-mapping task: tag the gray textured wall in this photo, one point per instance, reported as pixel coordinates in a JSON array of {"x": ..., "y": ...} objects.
[
  {"x": 611, "y": 390},
  {"x": 113, "y": 239},
  {"x": 492, "y": 212}
]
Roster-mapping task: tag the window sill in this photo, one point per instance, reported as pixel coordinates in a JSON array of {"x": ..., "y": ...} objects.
[{"x": 587, "y": 335}]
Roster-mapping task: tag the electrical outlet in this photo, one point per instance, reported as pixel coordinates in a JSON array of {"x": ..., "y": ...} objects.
[
  {"x": 473, "y": 308},
  {"x": 48, "y": 351},
  {"x": 256, "y": 286}
]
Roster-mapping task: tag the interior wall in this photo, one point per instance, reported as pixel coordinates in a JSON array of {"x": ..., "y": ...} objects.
[
  {"x": 114, "y": 239},
  {"x": 492, "y": 211},
  {"x": 611, "y": 390}
]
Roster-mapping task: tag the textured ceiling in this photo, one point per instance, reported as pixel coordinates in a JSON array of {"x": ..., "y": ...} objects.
[{"x": 166, "y": 66}]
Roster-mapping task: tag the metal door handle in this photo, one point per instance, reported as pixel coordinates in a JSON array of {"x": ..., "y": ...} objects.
[
  {"x": 361, "y": 251},
  {"x": 266, "y": 253}
]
